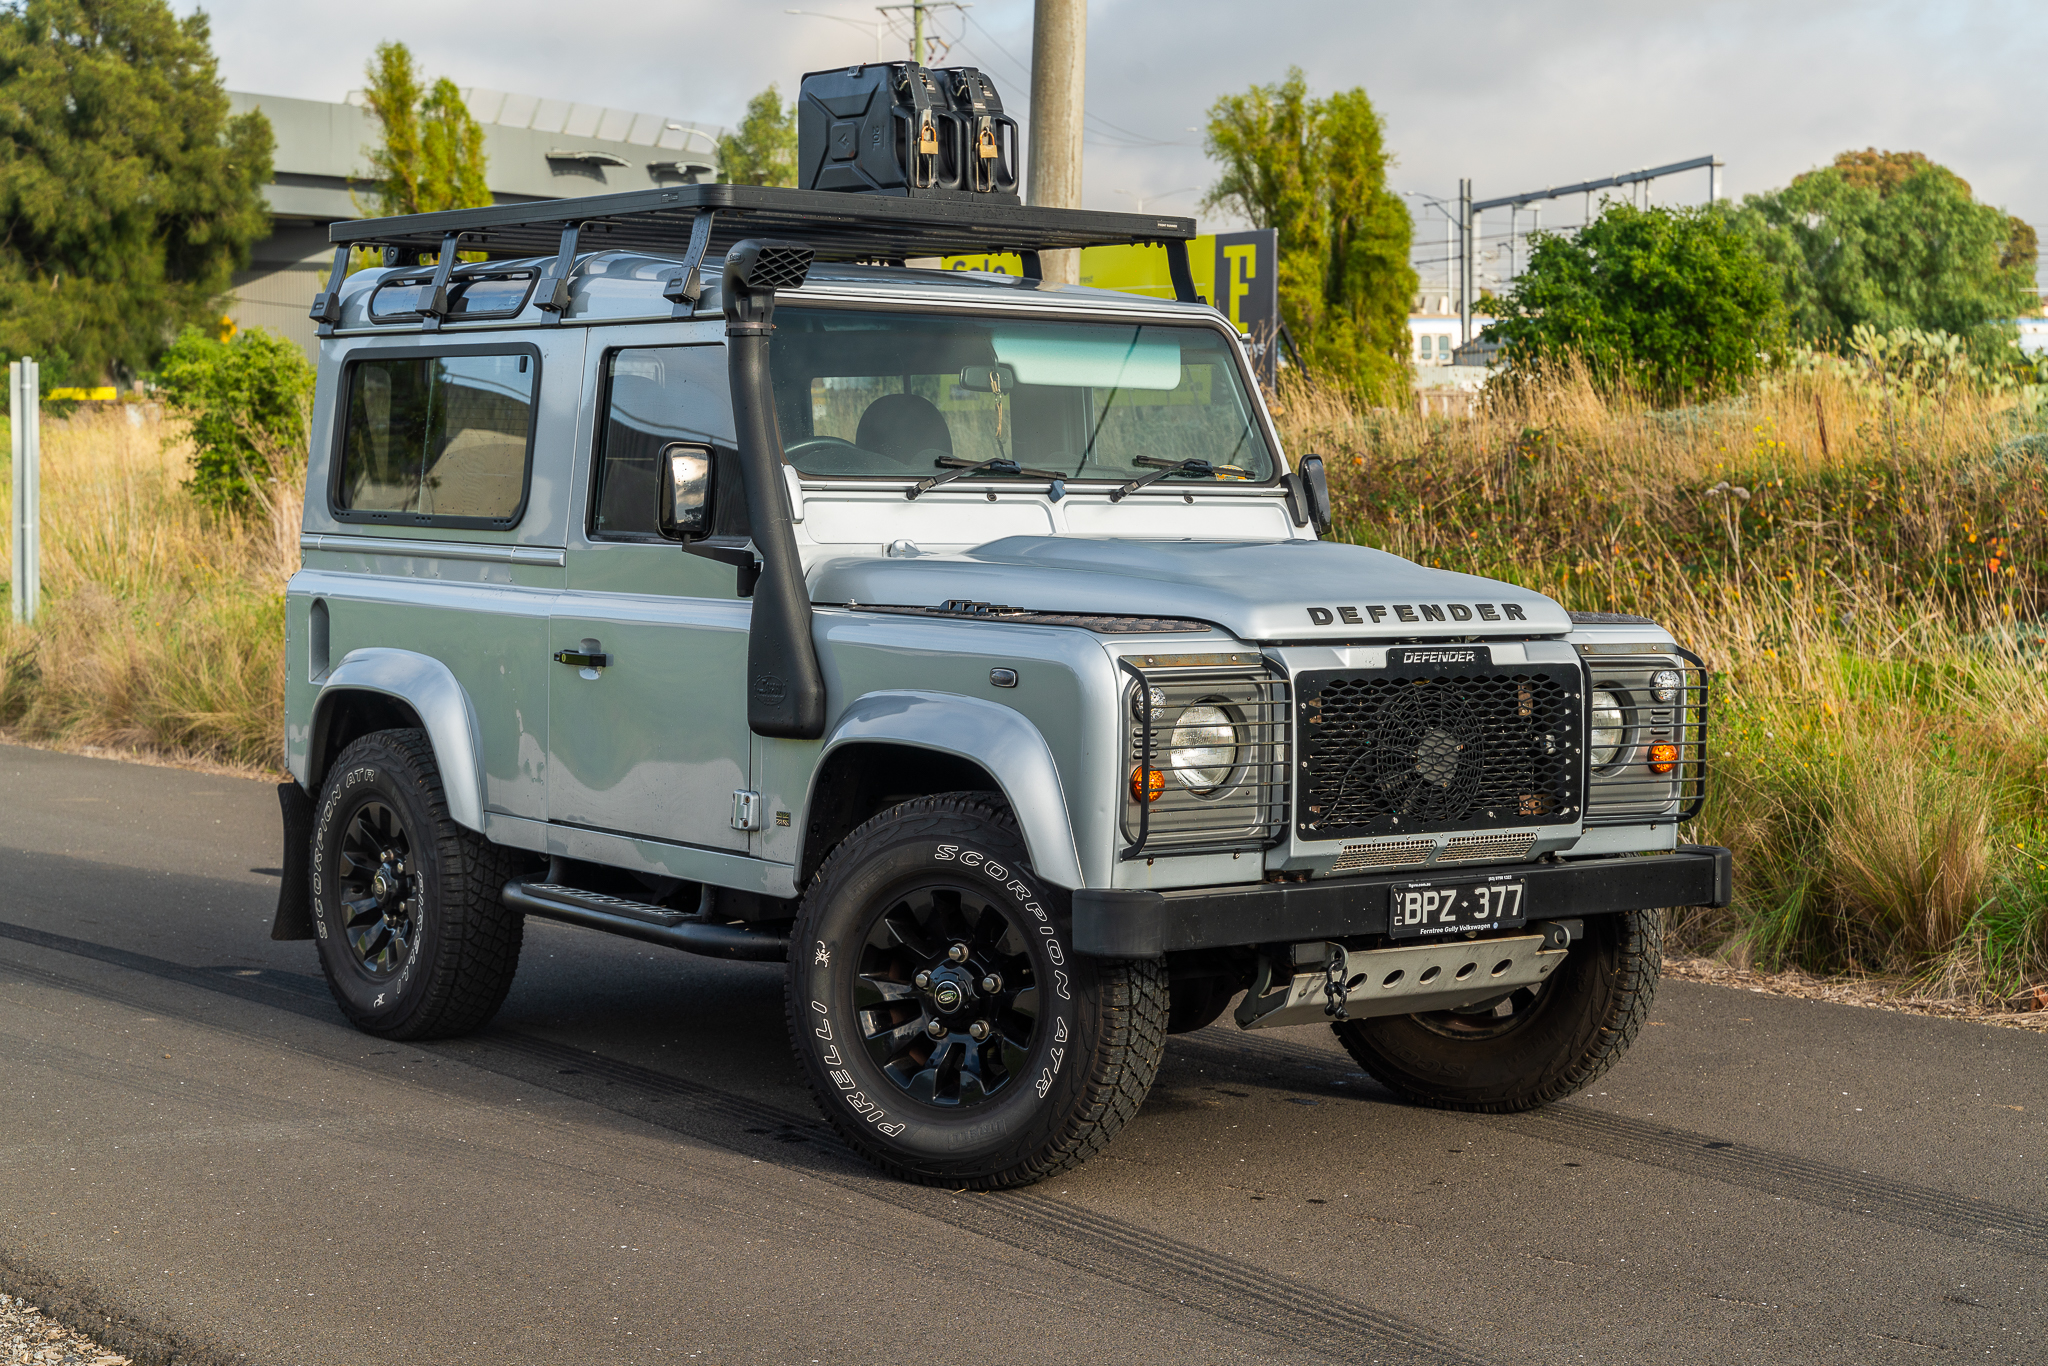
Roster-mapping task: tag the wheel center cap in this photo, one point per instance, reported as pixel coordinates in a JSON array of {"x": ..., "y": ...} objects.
[
  {"x": 950, "y": 990},
  {"x": 384, "y": 885}
]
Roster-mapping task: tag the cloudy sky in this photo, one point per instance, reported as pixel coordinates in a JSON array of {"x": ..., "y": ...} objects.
[{"x": 1515, "y": 96}]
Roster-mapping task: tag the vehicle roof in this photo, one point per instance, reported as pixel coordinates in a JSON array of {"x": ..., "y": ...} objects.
[{"x": 626, "y": 286}]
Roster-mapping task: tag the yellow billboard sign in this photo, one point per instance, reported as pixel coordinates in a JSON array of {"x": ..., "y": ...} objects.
[{"x": 1237, "y": 272}]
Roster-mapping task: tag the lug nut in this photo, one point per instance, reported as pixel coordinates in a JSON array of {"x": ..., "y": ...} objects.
[
  {"x": 958, "y": 953},
  {"x": 923, "y": 980},
  {"x": 978, "y": 1030},
  {"x": 991, "y": 984},
  {"x": 937, "y": 1029}
]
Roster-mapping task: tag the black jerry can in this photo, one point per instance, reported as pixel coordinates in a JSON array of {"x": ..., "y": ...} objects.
[{"x": 903, "y": 129}]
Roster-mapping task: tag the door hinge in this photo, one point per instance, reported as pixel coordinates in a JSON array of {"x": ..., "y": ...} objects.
[{"x": 746, "y": 810}]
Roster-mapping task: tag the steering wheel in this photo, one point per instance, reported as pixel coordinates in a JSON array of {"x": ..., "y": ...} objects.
[{"x": 816, "y": 445}]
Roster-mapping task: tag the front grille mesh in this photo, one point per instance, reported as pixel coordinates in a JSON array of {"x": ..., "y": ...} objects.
[
  {"x": 1481, "y": 848},
  {"x": 1412, "y": 749},
  {"x": 1382, "y": 854}
]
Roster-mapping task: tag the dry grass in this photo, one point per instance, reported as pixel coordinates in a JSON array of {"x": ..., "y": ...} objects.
[{"x": 161, "y": 619}]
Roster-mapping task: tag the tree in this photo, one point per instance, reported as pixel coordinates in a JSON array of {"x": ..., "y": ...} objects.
[
  {"x": 1678, "y": 301},
  {"x": 1316, "y": 170},
  {"x": 1892, "y": 240},
  {"x": 244, "y": 404},
  {"x": 128, "y": 196},
  {"x": 432, "y": 155},
  {"x": 763, "y": 151}
]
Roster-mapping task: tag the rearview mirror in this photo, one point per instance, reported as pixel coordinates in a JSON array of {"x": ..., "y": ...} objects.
[
  {"x": 988, "y": 379},
  {"x": 683, "y": 506}
]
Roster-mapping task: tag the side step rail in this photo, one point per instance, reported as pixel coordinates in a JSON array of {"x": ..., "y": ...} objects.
[{"x": 650, "y": 924}]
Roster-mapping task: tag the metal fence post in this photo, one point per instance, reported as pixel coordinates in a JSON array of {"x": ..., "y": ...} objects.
[{"x": 25, "y": 408}]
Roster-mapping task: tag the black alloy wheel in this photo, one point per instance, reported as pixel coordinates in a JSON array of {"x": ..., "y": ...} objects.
[
  {"x": 948, "y": 1031},
  {"x": 1490, "y": 1019},
  {"x": 946, "y": 998},
  {"x": 378, "y": 892},
  {"x": 414, "y": 938}
]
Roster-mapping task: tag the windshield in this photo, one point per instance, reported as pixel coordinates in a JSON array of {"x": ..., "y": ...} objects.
[{"x": 891, "y": 395}]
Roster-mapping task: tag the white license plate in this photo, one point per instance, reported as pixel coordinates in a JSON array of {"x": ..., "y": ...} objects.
[{"x": 1420, "y": 910}]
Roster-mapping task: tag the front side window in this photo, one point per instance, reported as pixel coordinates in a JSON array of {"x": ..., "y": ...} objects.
[
  {"x": 869, "y": 394},
  {"x": 431, "y": 439},
  {"x": 657, "y": 397}
]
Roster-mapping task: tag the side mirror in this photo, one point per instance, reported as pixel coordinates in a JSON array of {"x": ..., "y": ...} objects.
[
  {"x": 683, "y": 499},
  {"x": 1310, "y": 488}
]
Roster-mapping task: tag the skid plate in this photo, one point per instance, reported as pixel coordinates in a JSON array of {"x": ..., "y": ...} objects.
[{"x": 1403, "y": 981}]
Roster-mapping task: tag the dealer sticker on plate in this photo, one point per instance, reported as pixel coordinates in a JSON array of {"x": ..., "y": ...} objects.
[{"x": 1419, "y": 910}]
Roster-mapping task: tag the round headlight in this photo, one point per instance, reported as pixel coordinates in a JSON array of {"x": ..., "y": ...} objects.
[
  {"x": 1666, "y": 684},
  {"x": 1609, "y": 725},
  {"x": 1203, "y": 749}
]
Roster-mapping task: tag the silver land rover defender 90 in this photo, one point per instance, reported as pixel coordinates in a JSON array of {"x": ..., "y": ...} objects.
[{"x": 688, "y": 568}]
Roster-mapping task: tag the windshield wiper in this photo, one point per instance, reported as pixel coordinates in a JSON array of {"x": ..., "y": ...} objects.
[
  {"x": 956, "y": 468},
  {"x": 1201, "y": 469}
]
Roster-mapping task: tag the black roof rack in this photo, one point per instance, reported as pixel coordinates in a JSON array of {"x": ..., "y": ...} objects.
[
  {"x": 836, "y": 226},
  {"x": 696, "y": 221}
]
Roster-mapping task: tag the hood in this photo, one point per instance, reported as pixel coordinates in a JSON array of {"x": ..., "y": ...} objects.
[{"x": 1257, "y": 590}]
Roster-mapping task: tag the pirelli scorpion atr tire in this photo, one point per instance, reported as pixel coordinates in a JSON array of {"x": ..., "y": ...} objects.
[
  {"x": 946, "y": 1025},
  {"x": 1534, "y": 1046},
  {"x": 413, "y": 937}
]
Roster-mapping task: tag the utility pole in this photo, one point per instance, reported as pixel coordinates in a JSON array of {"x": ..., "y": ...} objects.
[
  {"x": 1468, "y": 229},
  {"x": 1059, "y": 63},
  {"x": 919, "y": 48}
]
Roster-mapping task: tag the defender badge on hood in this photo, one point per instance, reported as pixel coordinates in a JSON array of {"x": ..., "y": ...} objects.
[{"x": 1429, "y": 611}]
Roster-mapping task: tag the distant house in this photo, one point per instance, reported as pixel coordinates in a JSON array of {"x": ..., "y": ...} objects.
[
  {"x": 1436, "y": 332},
  {"x": 533, "y": 148},
  {"x": 2034, "y": 335}
]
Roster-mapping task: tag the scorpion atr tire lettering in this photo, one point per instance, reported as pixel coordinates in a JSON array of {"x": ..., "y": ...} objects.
[
  {"x": 936, "y": 1033},
  {"x": 412, "y": 937},
  {"x": 1534, "y": 1045}
]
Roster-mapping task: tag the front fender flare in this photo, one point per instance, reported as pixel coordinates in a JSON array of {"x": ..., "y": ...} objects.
[
  {"x": 424, "y": 684},
  {"x": 997, "y": 738}
]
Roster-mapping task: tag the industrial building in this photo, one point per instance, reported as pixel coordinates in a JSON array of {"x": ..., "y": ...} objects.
[{"x": 534, "y": 149}]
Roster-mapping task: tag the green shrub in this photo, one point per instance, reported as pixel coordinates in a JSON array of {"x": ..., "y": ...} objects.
[{"x": 244, "y": 404}]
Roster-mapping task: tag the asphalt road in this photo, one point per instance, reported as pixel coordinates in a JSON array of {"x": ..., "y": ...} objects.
[{"x": 625, "y": 1166}]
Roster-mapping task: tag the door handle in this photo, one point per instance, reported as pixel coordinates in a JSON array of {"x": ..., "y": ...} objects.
[{"x": 577, "y": 659}]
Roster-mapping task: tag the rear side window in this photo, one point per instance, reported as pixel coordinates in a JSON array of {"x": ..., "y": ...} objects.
[
  {"x": 496, "y": 295},
  {"x": 437, "y": 439}
]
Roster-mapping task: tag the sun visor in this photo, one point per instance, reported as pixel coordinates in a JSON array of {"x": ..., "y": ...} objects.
[{"x": 1089, "y": 357}]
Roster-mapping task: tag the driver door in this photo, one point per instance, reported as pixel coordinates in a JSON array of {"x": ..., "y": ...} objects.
[{"x": 652, "y": 742}]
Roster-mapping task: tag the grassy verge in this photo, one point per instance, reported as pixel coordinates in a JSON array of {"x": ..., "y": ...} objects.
[
  {"x": 1871, "y": 610},
  {"x": 1862, "y": 566},
  {"x": 162, "y": 621}
]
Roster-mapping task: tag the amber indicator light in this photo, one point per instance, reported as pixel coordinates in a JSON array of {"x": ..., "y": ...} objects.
[
  {"x": 1663, "y": 758},
  {"x": 1147, "y": 785}
]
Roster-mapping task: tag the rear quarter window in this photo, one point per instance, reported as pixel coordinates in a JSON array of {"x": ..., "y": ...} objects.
[{"x": 437, "y": 439}]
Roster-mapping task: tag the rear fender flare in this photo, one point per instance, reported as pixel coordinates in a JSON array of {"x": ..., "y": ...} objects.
[
  {"x": 424, "y": 684},
  {"x": 997, "y": 738}
]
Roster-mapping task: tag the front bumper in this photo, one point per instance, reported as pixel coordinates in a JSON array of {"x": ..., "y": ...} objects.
[{"x": 1116, "y": 923}]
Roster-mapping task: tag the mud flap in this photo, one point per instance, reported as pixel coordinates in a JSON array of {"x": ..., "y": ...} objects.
[{"x": 295, "y": 897}]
